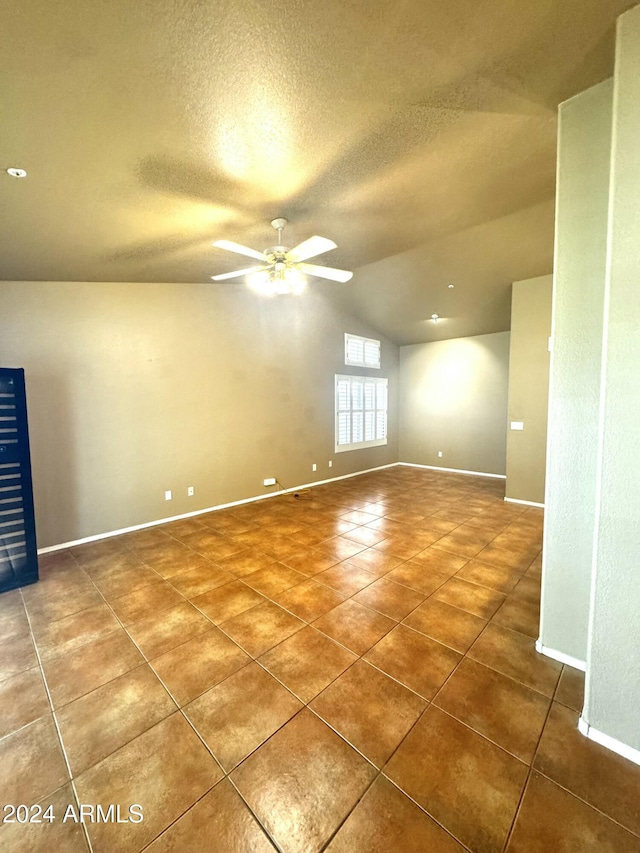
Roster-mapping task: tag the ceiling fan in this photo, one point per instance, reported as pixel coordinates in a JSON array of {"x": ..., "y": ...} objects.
[{"x": 283, "y": 270}]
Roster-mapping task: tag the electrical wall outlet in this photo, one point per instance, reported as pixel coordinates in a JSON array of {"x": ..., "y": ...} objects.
[
  {"x": 314, "y": 467},
  {"x": 189, "y": 491},
  {"x": 440, "y": 454},
  {"x": 168, "y": 495},
  {"x": 331, "y": 463},
  {"x": 269, "y": 481}
]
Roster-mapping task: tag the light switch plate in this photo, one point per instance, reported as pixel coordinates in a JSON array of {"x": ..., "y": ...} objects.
[{"x": 517, "y": 424}]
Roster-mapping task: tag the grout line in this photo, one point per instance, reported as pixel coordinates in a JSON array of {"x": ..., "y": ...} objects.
[
  {"x": 55, "y": 722},
  {"x": 526, "y": 782}
]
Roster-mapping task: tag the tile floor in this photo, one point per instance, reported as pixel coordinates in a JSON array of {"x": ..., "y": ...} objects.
[{"x": 351, "y": 671}]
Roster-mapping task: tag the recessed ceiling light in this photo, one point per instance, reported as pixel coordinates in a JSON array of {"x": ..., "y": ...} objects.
[
  {"x": 451, "y": 286},
  {"x": 16, "y": 173}
]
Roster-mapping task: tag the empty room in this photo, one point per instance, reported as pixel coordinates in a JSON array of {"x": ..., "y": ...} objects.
[{"x": 319, "y": 402}]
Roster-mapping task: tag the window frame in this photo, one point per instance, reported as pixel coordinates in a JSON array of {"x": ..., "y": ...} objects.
[
  {"x": 377, "y": 410},
  {"x": 351, "y": 362}
]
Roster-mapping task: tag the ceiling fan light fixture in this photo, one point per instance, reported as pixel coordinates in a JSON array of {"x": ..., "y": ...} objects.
[
  {"x": 261, "y": 283},
  {"x": 285, "y": 270}
]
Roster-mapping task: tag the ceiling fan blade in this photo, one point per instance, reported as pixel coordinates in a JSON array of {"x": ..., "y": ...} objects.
[
  {"x": 230, "y": 246},
  {"x": 225, "y": 275},
  {"x": 326, "y": 272},
  {"x": 310, "y": 248}
]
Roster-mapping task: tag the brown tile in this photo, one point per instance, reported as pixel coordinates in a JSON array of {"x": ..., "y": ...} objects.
[
  {"x": 311, "y": 536},
  {"x": 365, "y": 536},
  {"x": 244, "y": 562},
  {"x": 151, "y": 599},
  {"x": 70, "y": 633},
  {"x": 500, "y": 578},
  {"x": 405, "y": 515},
  {"x": 304, "y": 769},
  {"x": 440, "y": 560},
  {"x": 406, "y": 546},
  {"x": 16, "y": 655},
  {"x": 226, "y": 523},
  {"x": 184, "y": 526},
  {"x": 552, "y": 819},
  {"x": 467, "y": 596},
  {"x": 466, "y": 540},
  {"x": 67, "y": 836},
  {"x": 346, "y": 578},
  {"x": 32, "y": 763},
  {"x": 596, "y": 775},
  {"x": 103, "y": 548},
  {"x": 273, "y": 579},
  {"x": 354, "y": 626},
  {"x": 469, "y": 785},
  {"x": 90, "y": 666},
  {"x": 170, "y": 559},
  {"x": 239, "y": 714},
  {"x": 53, "y": 602},
  {"x": 386, "y": 820},
  {"x": 309, "y": 600},
  {"x": 144, "y": 537},
  {"x": 122, "y": 581},
  {"x": 391, "y": 599},
  {"x": 423, "y": 578},
  {"x": 513, "y": 717},
  {"x": 261, "y": 628},
  {"x": 13, "y": 617},
  {"x": 195, "y": 666},
  {"x": 527, "y": 589},
  {"x": 340, "y": 548},
  {"x": 515, "y": 655},
  {"x": 219, "y": 821},
  {"x": 114, "y": 561},
  {"x": 449, "y": 625},
  {"x": 414, "y": 660},
  {"x": 520, "y": 616},
  {"x": 358, "y": 517},
  {"x": 307, "y": 662},
  {"x": 226, "y": 601},
  {"x": 23, "y": 699},
  {"x": 375, "y": 561},
  {"x": 310, "y": 562},
  {"x": 160, "y": 632},
  {"x": 279, "y": 546},
  {"x": 200, "y": 580},
  {"x": 166, "y": 770},
  {"x": 494, "y": 555},
  {"x": 570, "y": 689},
  {"x": 97, "y": 724},
  {"x": 370, "y": 710}
]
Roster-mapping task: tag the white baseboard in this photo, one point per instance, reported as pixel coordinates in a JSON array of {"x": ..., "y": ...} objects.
[
  {"x": 454, "y": 470},
  {"x": 576, "y": 663},
  {"x": 608, "y": 742},
  {"x": 135, "y": 527},
  {"x": 524, "y": 503}
]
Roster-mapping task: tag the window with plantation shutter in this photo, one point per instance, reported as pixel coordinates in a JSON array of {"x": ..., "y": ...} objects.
[
  {"x": 361, "y": 412},
  {"x": 361, "y": 352}
]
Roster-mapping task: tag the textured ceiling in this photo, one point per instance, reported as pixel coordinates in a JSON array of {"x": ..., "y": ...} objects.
[{"x": 419, "y": 135}]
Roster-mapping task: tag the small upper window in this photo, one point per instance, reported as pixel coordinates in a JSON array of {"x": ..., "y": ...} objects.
[{"x": 361, "y": 352}]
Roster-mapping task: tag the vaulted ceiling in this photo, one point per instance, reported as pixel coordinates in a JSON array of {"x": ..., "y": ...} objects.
[{"x": 419, "y": 135}]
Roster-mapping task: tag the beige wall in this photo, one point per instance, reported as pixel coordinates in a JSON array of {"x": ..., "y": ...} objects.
[
  {"x": 584, "y": 151},
  {"x": 612, "y": 694},
  {"x": 137, "y": 388},
  {"x": 528, "y": 388},
  {"x": 453, "y": 398}
]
